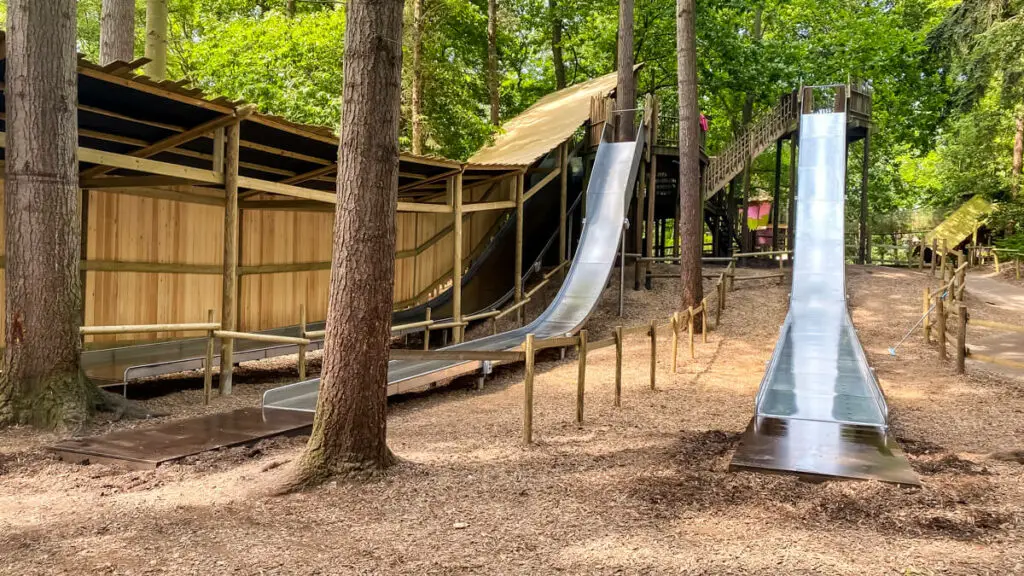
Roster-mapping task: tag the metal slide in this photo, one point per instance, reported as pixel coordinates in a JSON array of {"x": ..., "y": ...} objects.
[
  {"x": 820, "y": 410},
  {"x": 608, "y": 195}
]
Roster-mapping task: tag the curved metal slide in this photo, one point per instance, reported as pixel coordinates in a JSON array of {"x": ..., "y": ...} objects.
[
  {"x": 820, "y": 410},
  {"x": 608, "y": 195}
]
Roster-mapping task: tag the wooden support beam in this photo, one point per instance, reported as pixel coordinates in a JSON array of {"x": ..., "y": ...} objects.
[
  {"x": 132, "y": 182},
  {"x": 528, "y": 391},
  {"x": 219, "y": 140},
  {"x": 230, "y": 278},
  {"x": 652, "y": 179},
  {"x": 314, "y": 174},
  {"x": 179, "y": 138},
  {"x": 540, "y": 185},
  {"x": 285, "y": 189},
  {"x": 581, "y": 376},
  {"x": 484, "y": 206},
  {"x": 563, "y": 183},
  {"x": 456, "y": 184},
  {"x": 436, "y": 178},
  {"x": 519, "y": 244},
  {"x": 424, "y": 208}
]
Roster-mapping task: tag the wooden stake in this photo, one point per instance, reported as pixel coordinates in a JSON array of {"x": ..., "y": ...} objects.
[
  {"x": 925, "y": 305},
  {"x": 302, "y": 347},
  {"x": 720, "y": 304},
  {"x": 654, "y": 353},
  {"x": 689, "y": 330},
  {"x": 961, "y": 338},
  {"x": 581, "y": 377},
  {"x": 426, "y": 332},
  {"x": 528, "y": 392},
  {"x": 230, "y": 278},
  {"x": 208, "y": 368},
  {"x": 704, "y": 321},
  {"x": 618, "y": 366},
  {"x": 675, "y": 341},
  {"x": 940, "y": 316}
]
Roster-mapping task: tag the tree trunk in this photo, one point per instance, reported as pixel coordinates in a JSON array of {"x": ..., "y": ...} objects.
[
  {"x": 349, "y": 431},
  {"x": 748, "y": 114},
  {"x": 625, "y": 93},
  {"x": 156, "y": 39},
  {"x": 492, "y": 61},
  {"x": 1018, "y": 158},
  {"x": 117, "y": 31},
  {"x": 556, "y": 44},
  {"x": 417, "y": 77},
  {"x": 42, "y": 383},
  {"x": 289, "y": 8},
  {"x": 691, "y": 230}
]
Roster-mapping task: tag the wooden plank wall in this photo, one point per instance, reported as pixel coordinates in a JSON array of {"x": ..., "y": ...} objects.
[{"x": 131, "y": 228}]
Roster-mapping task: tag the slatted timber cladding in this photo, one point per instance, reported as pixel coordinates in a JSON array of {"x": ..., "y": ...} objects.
[{"x": 133, "y": 228}]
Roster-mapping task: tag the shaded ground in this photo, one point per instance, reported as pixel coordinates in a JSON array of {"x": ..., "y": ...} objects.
[
  {"x": 995, "y": 297},
  {"x": 642, "y": 489}
]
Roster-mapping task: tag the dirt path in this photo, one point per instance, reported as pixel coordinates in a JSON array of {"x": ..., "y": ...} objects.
[
  {"x": 642, "y": 489},
  {"x": 993, "y": 298}
]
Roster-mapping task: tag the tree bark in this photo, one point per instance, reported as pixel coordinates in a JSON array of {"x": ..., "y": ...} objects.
[
  {"x": 417, "y": 77},
  {"x": 156, "y": 39},
  {"x": 42, "y": 383},
  {"x": 556, "y": 44},
  {"x": 1018, "y": 158},
  {"x": 691, "y": 230},
  {"x": 625, "y": 93},
  {"x": 492, "y": 61},
  {"x": 289, "y": 8},
  {"x": 349, "y": 431},
  {"x": 117, "y": 31}
]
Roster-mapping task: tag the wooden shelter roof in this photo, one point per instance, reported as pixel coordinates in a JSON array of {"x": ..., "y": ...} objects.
[
  {"x": 124, "y": 114},
  {"x": 545, "y": 125}
]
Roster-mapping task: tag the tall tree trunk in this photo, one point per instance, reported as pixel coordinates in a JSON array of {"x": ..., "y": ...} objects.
[
  {"x": 349, "y": 430},
  {"x": 691, "y": 230},
  {"x": 117, "y": 31},
  {"x": 556, "y": 44},
  {"x": 289, "y": 8},
  {"x": 1018, "y": 158},
  {"x": 417, "y": 77},
  {"x": 156, "y": 39},
  {"x": 42, "y": 382},
  {"x": 625, "y": 93},
  {"x": 748, "y": 114},
  {"x": 492, "y": 61}
]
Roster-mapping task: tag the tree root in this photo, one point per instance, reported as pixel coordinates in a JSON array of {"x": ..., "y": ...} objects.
[
  {"x": 312, "y": 470},
  {"x": 121, "y": 408}
]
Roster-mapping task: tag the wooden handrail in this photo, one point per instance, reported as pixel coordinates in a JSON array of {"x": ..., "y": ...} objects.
[
  {"x": 255, "y": 337},
  {"x": 147, "y": 328}
]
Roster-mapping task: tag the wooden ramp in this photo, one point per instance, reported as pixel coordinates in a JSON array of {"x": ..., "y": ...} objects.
[{"x": 146, "y": 448}]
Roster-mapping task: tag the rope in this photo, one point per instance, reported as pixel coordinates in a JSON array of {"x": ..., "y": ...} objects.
[{"x": 892, "y": 350}]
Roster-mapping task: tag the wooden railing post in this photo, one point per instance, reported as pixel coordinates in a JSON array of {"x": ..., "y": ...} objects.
[
  {"x": 704, "y": 321},
  {"x": 935, "y": 254},
  {"x": 618, "y": 366},
  {"x": 208, "y": 368},
  {"x": 581, "y": 378},
  {"x": 426, "y": 332},
  {"x": 302, "y": 347},
  {"x": 940, "y": 317},
  {"x": 961, "y": 338},
  {"x": 654, "y": 353},
  {"x": 675, "y": 341},
  {"x": 689, "y": 330},
  {"x": 528, "y": 392},
  {"x": 720, "y": 305},
  {"x": 926, "y": 303}
]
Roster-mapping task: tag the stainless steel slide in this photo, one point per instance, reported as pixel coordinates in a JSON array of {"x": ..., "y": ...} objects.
[
  {"x": 608, "y": 195},
  {"x": 820, "y": 409}
]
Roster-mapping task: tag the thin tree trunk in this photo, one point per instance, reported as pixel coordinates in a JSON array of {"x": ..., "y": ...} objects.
[
  {"x": 117, "y": 31},
  {"x": 748, "y": 114},
  {"x": 492, "y": 61},
  {"x": 1018, "y": 158},
  {"x": 349, "y": 431},
  {"x": 42, "y": 383},
  {"x": 556, "y": 44},
  {"x": 691, "y": 233},
  {"x": 417, "y": 77},
  {"x": 625, "y": 93},
  {"x": 156, "y": 39},
  {"x": 289, "y": 8}
]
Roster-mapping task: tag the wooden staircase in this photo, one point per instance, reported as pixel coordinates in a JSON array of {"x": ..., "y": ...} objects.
[{"x": 750, "y": 142}]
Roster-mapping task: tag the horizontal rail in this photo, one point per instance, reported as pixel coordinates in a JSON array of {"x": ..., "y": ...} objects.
[
  {"x": 512, "y": 308},
  {"x": 760, "y": 276},
  {"x": 755, "y": 254},
  {"x": 146, "y": 328},
  {"x": 223, "y": 334},
  {"x": 561, "y": 342},
  {"x": 316, "y": 334},
  {"x": 481, "y": 316},
  {"x": 413, "y": 325},
  {"x": 447, "y": 325},
  {"x": 598, "y": 344},
  {"x": 458, "y": 355}
]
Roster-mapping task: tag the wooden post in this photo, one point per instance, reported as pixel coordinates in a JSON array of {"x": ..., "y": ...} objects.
[
  {"x": 777, "y": 194},
  {"x": 563, "y": 183},
  {"x": 920, "y": 257},
  {"x": 218, "y": 149},
  {"x": 945, "y": 259},
  {"x": 935, "y": 254},
  {"x": 961, "y": 338},
  {"x": 426, "y": 332},
  {"x": 528, "y": 392},
  {"x": 302, "y": 347},
  {"x": 618, "y": 366},
  {"x": 864, "y": 250},
  {"x": 230, "y": 279},
  {"x": 719, "y": 305},
  {"x": 638, "y": 228},
  {"x": 208, "y": 368},
  {"x": 654, "y": 353},
  {"x": 675, "y": 341},
  {"x": 689, "y": 330},
  {"x": 581, "y": 377},
  {"x": 704, "y": 321},
  {"x": 456, "y": 185},
  {"x": 652, "y": 180},
  {"x": 995, "y": 255},
  {"x": 520, "y": 181},
  {"x": 940, "y": 317},
  {"x": 926, "y": 303},
  {"x": 791, "y": 212}
]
